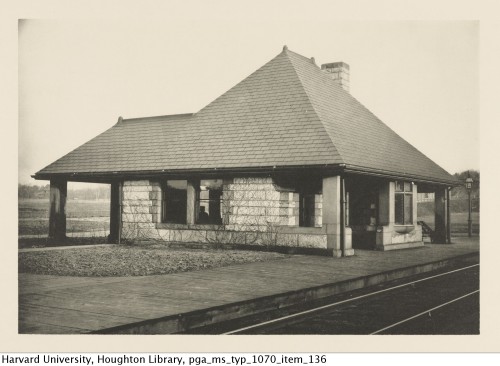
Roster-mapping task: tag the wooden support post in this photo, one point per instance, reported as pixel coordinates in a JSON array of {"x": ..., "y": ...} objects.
[
  {"x": 191, "y": 203},
  {"x": 440, "y": 216},
  {"x": 57, "y": 215},
  {"x": 448, "y": 217},
  {"x": 115, "y": 212},
  {"x": 332, "y": 220}
]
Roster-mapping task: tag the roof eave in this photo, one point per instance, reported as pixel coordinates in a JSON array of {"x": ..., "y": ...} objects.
[
  {"x": 403, "y": 176},
  {"x": 97, "y": 177},
  {"x": 120, "y": 175}
]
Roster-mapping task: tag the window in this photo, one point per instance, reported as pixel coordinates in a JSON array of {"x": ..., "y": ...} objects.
[
  {"x": 174, "y": 201},
  {"x": 306, "y": 209},
  {"x": 404, "y": 203},
  {"x": 208, "y": 205},
  {"x": 306, "y": 200}
]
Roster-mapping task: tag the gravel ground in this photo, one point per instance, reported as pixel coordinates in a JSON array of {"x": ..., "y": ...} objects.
[{"x": 133, "y": 260}]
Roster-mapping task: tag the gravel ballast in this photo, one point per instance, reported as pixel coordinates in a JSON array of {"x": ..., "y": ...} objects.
[{"x": 121, "y": 260}]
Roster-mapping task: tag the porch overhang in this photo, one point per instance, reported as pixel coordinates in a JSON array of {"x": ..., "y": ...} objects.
[
  {"x": 107, "y": 177},
  {"x": 353, "y": 169},
  {"x": 324, "y": 169}
]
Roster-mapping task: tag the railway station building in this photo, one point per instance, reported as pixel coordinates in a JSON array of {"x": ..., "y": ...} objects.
[{"x": 286, "y": 158}]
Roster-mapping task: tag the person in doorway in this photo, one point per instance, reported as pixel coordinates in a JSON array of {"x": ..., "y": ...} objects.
[{"x": 203, "y": 216}]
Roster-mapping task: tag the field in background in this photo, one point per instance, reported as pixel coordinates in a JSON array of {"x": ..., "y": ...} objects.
[
  {"x": 459, "y": 216},
  {"x": 91, "y": 216}
]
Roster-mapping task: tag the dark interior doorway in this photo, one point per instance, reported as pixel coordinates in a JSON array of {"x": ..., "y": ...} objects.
[{"x": 363, "y": 211}]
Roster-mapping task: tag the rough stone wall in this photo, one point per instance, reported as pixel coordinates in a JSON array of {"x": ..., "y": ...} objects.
[
  {"x": 257, "y": 203},
  {"x": 255, "y": 212},
  {"x": 141, "y": 209},
  {"x": 318, "y": 210}
]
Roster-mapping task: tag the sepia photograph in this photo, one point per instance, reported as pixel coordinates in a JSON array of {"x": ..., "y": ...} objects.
[{"x": 279, "y": 177}]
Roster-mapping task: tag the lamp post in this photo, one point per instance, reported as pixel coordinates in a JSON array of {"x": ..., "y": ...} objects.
[{"x": 468, "y": 186}]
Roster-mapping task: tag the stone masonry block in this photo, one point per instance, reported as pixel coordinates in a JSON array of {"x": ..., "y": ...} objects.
[
  {"x": 138, "y": 210},
  {"x": 272, "y": 195},
  {"x": 289, "y": 240},
  {"x": 259, "y": 180},
  {"x": 154, "y": 209},
  {"x": 253, "y": 211},
  {"x": 139, "y": 218},
  {"x": 250, "y": 187},
  {"x": 155, "y": 195},
  {"x": 244, "y": 227},
  {"x": 312, "y": 241},
  {"x": 129, "y": 183},
  {"x": 135, "y": 195},
  {"x": 163, "y": 234},
  {"x": 284, "y": 196},
  {"x": 133, "y": 203},
  {"x": 249, "y": 195},
  {"x": 146, "y": 225},
  {"x": 176, "y": 235},
  {"x": 131, "y": 189},
  {"x": 273, "y": 211},
  {"x": 193, "y": 236},
  {"x": 226, "y": 237}
]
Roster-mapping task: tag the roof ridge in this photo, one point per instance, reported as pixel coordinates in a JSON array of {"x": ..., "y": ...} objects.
[
  {"x": 298, "y": 54},
  {"x": 155, "y": 118}
]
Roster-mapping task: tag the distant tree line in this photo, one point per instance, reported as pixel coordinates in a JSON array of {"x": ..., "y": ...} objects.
[
  {"x": 43, "y": 192},
  {"x": 460, "y": 191}
]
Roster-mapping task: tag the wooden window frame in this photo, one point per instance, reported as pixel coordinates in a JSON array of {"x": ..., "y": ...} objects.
[{"x": 406, "y": 195}]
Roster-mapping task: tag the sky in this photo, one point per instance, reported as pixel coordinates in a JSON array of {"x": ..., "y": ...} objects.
[{"x": 76, "y": 77}]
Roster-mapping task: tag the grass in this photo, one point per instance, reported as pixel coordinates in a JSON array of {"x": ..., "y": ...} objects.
[
  {"x": 458, "y": 220},
  {"x": 82, "y": 216},
  {"x": 122, "y": 260},
  {"x": 43, "y": 242},
  {"x": 41, "y": 226},
  {"x": 39, "y": 208}
]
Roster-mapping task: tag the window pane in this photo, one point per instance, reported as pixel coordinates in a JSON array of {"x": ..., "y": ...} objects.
[
  {"x": 399, "y": 186},
  {"x": 407, "y": 186},
  {"x": 399, "y": 210},
  {"x": 306, "y": 210},
  {"x": 408, "y": 209},
  {"x": 175, "y": 201},
  {"x": 209, "y": 202},
  {"x": 177, "y": 184}
]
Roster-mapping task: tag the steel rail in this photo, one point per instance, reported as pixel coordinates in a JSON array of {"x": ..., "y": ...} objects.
[
  {"x": 424, "y": 312},
  {"x": 309, "y": 311}
]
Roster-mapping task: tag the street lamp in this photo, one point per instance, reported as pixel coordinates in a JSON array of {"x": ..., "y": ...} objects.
[{"x": 468, "y": 187}]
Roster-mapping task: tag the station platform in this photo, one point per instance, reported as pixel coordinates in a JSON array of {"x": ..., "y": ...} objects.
[{"x": 173, "y": 303}]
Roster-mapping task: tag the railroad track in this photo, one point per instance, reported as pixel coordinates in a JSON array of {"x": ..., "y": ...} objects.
[{"x": 442, "y": 303}]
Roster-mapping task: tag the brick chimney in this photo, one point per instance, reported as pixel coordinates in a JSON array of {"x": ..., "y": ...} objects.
[{"x": 338, "y": 71}]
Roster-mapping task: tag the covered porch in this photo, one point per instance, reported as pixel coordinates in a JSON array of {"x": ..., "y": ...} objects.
[
  {"x": 382, "y": 213},
  {"x": 347, "y": 211}
]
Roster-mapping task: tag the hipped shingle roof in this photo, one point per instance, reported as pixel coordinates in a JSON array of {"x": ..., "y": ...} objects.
[{"x": 287, "y": 113}]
